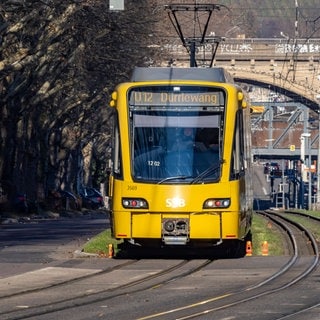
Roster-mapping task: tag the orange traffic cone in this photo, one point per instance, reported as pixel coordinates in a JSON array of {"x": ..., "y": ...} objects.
[
  {"x": 248, "y": 249},
  {"x": 265, "y": 248},
  {"x": 110, "y": 250}
]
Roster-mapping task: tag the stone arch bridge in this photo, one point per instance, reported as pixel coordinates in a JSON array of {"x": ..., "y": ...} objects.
[{"x": 286, "y": 120}]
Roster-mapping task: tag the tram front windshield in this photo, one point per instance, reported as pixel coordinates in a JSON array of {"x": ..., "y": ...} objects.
[{"x": 175, "y": 138}]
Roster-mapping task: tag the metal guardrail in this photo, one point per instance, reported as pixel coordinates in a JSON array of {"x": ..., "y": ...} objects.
[{"x": 255, "y": 48}]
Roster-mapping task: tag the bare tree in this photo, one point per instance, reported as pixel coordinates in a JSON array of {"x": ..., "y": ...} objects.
[{"x": 58, "y": 64}]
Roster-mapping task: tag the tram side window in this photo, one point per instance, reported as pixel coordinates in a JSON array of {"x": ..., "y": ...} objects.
[
  {"x": 117, "y": 152},
  {"x": 237, "y": 161}
]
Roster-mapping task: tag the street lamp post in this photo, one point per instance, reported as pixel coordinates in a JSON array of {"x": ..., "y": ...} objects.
[
  {"x": 309, "y": 176},
  {"x": 306, "y": 174},
  {"x": 318, "y": 162}
]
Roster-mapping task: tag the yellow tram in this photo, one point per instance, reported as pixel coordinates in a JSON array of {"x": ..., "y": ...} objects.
[{"x": 181, "y": 165}]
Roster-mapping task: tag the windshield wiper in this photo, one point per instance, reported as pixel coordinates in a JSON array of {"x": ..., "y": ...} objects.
[
  {"x": 206, "y": 172},
  {"x": 174, "y": 178}
]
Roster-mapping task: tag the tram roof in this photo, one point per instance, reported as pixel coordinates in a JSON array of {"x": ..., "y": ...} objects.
[{"x": 215, "y": 74}]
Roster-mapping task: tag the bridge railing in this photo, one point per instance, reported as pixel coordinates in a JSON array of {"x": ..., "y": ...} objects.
[{"x": 255, "y": 48}]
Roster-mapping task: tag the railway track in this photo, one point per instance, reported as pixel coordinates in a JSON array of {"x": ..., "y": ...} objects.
[
  {"x": 135, "y": 279},
  {"x": 303, "y": 261},
  {"x": 11, "y": 305}
]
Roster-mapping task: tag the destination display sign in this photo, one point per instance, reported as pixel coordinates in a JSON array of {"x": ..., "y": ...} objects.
[{"x": 156, "y": 98}]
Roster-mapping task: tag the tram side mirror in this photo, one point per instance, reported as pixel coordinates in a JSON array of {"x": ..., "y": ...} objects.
[
  {"x": 244, "y": 104},
  {"x": 241, "y": 99},
  {"x": 114, "y": 97}
]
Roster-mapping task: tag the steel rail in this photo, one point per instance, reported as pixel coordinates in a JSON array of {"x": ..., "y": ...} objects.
[
  {"x": 252, "y": 289},
  {"x": 102, "y": 295}
]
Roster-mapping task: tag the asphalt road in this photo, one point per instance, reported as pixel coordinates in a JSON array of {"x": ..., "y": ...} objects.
[{"x": 37, "y": 243}]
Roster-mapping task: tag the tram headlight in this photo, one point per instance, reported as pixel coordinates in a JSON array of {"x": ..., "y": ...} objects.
[
  {"x": 135, "y": 203},
  {"x": 216, "y": 203}
]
